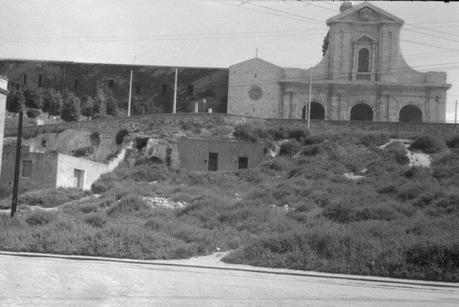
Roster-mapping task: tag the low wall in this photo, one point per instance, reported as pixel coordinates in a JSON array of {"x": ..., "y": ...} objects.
[{"x": 139, "y": 123}]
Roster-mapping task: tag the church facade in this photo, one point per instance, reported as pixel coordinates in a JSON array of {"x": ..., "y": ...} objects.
[{"x": 362, "y": 76}]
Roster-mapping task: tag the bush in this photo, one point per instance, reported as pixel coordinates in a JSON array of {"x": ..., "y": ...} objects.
[
  {"x": 33, "y": 113},
  {"x": 311, "y": 150},
  {"x": 102, "y": 116},
  {"x": 39, "y": 218},
  {"x": 298, "y": 134},
  {"x": 120, "y": 136},
  {"x": 127, "y": 204},
  {"x": 374, "y": 139},
  {"x": 398, "y": 151},
  {"x": 51, "y": 197},
  {"x": 95, "y": 138},
  {"x": 453, "y": 142},
  {"x": 313, "y": 139},
  {"x": 250, "y": 133},
  {"x": 289, "y": 148},
  {"x": 96, "y": 220},
  {"x": 428, "y": 144},
  {"x": 83, "y": 151}
]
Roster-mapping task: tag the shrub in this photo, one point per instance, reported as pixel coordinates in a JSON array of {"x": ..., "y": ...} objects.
[
  {"x": 428, "y": 144},
  {"x": 289, "y": 148},
  {"x": 95, "y": 138},
  {"x": 127, "y": 204},
  {"x": 83, "y": 151},
  {"x": 453, "y": 142},
  {"x": 298, "y": 134},
  {"x": 374, "y": 139},
  {"x": 250, "y": 133},
  {"x": 398, "y": 151},
  {"x": 33, "y": 113},
  {"x": 40, "y": 217},
  {"x": 96, "y": 220},
  {"x": 311, "y": 150},
  {"x": 313, "y": 139},
  {"x": 51, "y": 197},
  {"x": 119, "y": 138},
  {"x": 71, "y": 108}
]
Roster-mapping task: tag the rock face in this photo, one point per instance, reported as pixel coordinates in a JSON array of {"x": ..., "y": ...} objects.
[{"x": 70, "y": 140}]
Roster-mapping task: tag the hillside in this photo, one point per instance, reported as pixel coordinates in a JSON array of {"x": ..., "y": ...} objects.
[{"x": 333, "y": 203}]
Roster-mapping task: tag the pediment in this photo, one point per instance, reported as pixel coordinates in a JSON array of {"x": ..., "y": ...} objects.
[
  {"x": 365, "y": 38},
  {"x": 365, "y": 12}
]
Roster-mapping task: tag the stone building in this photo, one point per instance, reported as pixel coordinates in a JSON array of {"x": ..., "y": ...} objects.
[
  {"x": 152, "y": 86},
  {"x": 362, "y": 76},
  {"x": 217, "y": 155},
  {"x": 51, "y": 169}
]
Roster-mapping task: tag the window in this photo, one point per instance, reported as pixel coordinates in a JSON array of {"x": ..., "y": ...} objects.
[
  {"x": 24, "y": 79},
  {"x": 164, "y": 89},
  {"x": 40, "y": 81},
  {"x": 213, "y": 161},
  {"x": 190, "y": 89},
  {"x": 75, "y": 83},
  {"x": 26, "y": 168},
  {"x": 138, "y": 90},
  {"x": 243, "y": 163},
  {"x": 111, "y": 83},
  {"x": 364, "y": 60}
]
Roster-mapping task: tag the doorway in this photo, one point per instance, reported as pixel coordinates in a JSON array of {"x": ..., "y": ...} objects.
[{"x": 78, "y": 175}]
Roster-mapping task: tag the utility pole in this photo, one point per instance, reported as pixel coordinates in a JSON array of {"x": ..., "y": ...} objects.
[
  {"x": 174, "y": 106},
  {"x": 17, "y": 164},
  {"x": 130, "y": 95},
  {"x": 309, "y": 99},
  {"x": 455, "y": 113}
]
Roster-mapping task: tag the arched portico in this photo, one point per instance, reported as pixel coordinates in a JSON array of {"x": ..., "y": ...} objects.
[
  {"x": 361, "y": 111},
  {"x": 317, "y": 111},
  {"x": 410, "y": 113}
]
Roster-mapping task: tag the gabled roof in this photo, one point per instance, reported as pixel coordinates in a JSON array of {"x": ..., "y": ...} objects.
[
  {"x": 256, "y": 60},
  {"x": 341, "y": 17}
]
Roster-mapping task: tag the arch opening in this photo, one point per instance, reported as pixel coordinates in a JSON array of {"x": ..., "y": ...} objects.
[
  {"x": 410, "y": 113},
  {"x": 317, "y": 111},
  {"x": 361, "y": 111}
]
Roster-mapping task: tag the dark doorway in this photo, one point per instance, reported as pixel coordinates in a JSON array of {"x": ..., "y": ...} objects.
[
  {"x": 78, "y": 175},
  {"x": 213, "y": 161},
  {"x": 243, "y": 163},
  {"x": 361, "y": 111},
  {"x": 410, "y": 113},
  {"x": 317, "y": 111}
]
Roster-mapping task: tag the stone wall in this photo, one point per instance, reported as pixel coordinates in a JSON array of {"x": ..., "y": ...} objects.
[{"x": 139, "y": 123}]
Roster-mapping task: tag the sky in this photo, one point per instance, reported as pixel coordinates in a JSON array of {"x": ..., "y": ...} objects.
[{"x": 214, "y": 33}]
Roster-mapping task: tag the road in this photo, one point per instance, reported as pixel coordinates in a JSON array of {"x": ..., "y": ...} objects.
[{"x": 44, "y": 281}]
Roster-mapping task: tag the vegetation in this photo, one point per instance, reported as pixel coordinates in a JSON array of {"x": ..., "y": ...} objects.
[
  {"x": 71, "y": 108},
  {"x": 428, "y": 144},
  {"x": 296, "y": 211},
  {"x": 15, "y": 101}
]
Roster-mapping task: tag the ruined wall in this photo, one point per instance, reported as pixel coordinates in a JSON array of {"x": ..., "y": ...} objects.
[{"x": 43, "y": 171}]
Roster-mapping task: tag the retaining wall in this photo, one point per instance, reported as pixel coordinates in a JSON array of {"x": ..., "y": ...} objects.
[{"x": 139, "y": 123}]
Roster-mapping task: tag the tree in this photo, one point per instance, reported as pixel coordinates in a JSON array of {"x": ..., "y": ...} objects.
[
  {"x": 52, "y": 102},
  {"x": 87, "y": 106},
  {"x": 99, "y": 106},
  {"x": 34, "y": 98},
  {"x": 112, "y": 106},
  {"x": 15, "y": 101},
  {"x": 71, "y": 108}
]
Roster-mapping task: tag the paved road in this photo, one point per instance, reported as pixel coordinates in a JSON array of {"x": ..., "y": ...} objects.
[{"x": 37, "y": 281}]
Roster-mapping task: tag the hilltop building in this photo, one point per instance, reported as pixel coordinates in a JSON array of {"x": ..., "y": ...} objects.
[
  {"x": 362, "y": 76},
  {"x": 152, "y": 86}
]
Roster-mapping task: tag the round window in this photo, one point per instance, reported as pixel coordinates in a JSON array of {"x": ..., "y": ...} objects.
[{"x": 255, "y": 92}]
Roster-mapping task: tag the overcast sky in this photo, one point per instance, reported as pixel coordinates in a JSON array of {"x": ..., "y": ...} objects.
[{"x": 213, "y": 33}]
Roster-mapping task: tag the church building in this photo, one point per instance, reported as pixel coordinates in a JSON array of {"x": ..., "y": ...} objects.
[{"x": 362, "y": 76}]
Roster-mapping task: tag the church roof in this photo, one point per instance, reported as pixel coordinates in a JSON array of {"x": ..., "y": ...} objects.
[
  {"x": 256, "y": 59},
  {"x": 348, "y": 14}
]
